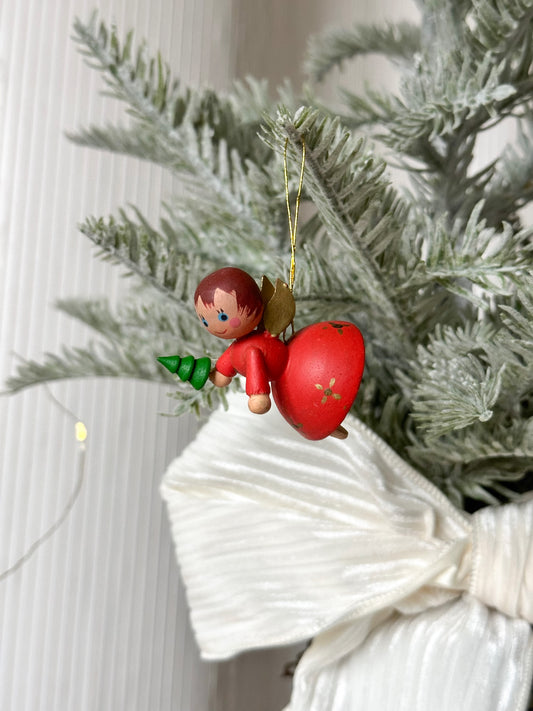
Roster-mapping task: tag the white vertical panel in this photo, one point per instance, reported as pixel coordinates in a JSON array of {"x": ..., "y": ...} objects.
[{"x": 96, "y": 619}]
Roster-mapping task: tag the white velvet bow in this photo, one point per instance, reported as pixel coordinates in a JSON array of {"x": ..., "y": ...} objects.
[{"x": 412, "y": 604}]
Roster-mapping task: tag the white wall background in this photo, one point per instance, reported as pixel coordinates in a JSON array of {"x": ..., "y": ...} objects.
[{"x": 96, "y": 620}]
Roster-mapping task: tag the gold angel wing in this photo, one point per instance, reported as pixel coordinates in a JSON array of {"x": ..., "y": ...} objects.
[{"x": 280, "y": 306}]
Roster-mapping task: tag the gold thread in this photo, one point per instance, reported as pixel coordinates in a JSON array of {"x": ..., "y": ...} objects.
[{"x": 293, "y": 226}]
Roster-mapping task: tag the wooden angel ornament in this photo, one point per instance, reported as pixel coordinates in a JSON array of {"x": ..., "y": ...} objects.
[
  {"x": 314, "y": 376},
  {"x": 230, "y": 305}
]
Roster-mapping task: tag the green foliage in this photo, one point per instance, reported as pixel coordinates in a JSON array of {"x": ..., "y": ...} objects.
[
  {"x": 208, "y": 141},
  {"x": 439, "y": 276}
]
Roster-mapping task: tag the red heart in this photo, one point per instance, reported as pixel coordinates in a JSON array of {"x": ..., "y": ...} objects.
[{"x": 321, "y": 379}]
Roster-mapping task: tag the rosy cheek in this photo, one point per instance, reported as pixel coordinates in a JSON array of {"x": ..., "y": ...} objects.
[{"x": 235, "y": 322}]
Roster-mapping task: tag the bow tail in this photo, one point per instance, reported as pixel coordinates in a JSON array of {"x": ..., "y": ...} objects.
[{"x": 460, "y": 655}]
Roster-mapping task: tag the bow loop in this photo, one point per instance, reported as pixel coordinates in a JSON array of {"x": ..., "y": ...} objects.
[{"x": 502, "y": 558}]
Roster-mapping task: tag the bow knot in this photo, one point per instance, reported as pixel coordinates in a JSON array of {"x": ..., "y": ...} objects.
[{"x": 502, "y": 558}]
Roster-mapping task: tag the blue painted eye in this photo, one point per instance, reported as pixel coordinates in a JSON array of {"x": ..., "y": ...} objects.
[
  {"x": 223, "y": 316},
  {"x": 205, "y": 322}
]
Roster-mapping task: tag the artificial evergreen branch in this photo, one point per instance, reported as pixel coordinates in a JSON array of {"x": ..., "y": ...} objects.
[
  {"x": 502, "y": 29},
  {"x": 142, "y": 322},
  {"x": 345, "y": 184},
  {"x": 134, "y": 142},
  {"x": 472, "y": 70},
  {"x": 199, "y": 134},
  {"x": 397, "y": 41},
  {"x": 454, "y": 394},
  {"x": 497, "y": 261},
  {"x": 510, "y": 187},
  {"x": 143, "y": 251},
  {"x": 96, "y": 360}
]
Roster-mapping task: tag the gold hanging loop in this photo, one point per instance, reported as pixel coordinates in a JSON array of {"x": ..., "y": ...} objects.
[{"x": 293, "y": 225}]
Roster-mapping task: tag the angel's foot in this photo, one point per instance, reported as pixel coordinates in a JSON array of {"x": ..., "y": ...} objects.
[{"x": 339, "y": 432}]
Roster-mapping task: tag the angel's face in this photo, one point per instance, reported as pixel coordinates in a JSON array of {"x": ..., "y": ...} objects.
[{"x": 224, "y": 318}]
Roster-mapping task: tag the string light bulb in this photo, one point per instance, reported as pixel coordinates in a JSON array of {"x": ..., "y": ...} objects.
[{"x": 80, "y": 431}]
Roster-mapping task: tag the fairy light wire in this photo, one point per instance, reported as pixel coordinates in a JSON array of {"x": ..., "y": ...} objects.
[
  {"x": 293, "y": 225},
  {"x": 80, "y": 434}
]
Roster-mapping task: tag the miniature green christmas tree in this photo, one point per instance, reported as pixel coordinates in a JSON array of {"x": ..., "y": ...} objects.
[
  {"x": 438, "y": 277},
  {"x": 189, "y": 369}
]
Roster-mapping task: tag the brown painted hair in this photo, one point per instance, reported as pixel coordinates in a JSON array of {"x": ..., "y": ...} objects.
[{"x": 231, "y": 280}]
